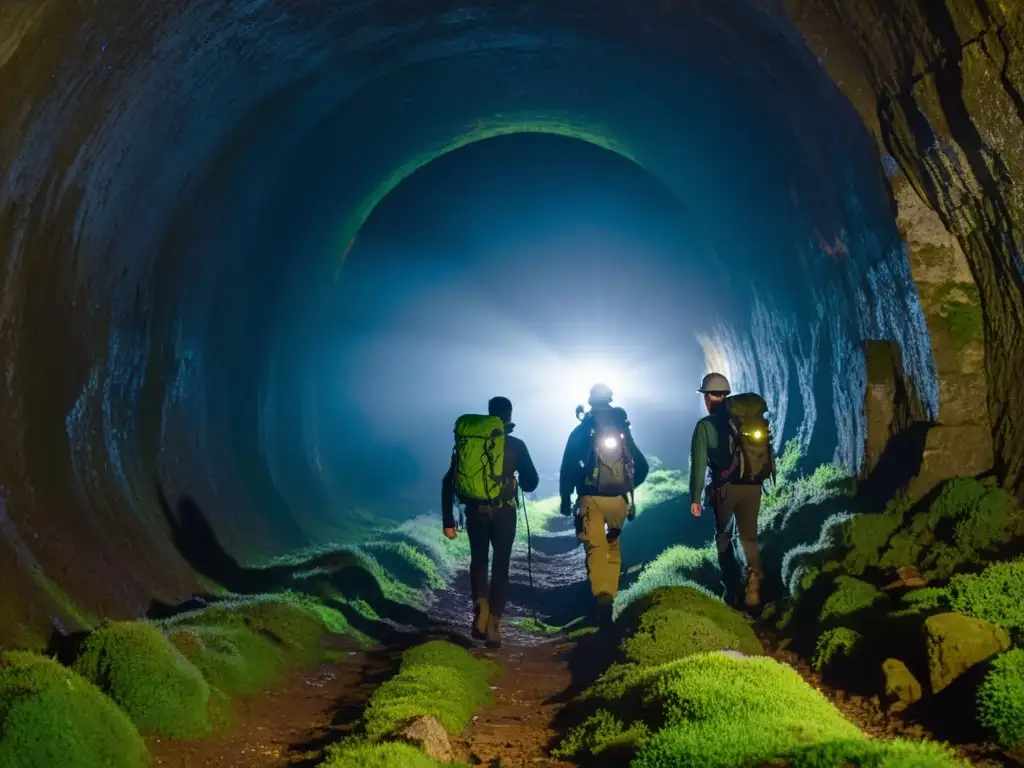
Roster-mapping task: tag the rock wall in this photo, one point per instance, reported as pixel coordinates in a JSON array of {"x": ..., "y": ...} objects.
[{"x": 941, "y": 85}]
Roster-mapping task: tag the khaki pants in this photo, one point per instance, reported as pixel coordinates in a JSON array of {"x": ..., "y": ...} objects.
[{"x": 604, "y": 558}]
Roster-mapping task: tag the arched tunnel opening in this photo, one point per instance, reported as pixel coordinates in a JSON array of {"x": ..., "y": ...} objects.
[{"x": 260, "y": 257}]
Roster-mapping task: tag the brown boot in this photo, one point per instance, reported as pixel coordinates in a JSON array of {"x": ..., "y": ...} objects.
[
  {"x": 481, "y": 613},
  {"x": 494, "y": 631},
  {"x": 753, "y": 596}
]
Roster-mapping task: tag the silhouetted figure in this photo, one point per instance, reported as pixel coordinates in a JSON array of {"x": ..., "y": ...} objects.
[
  {"x": 602, "y": 464},
  {"x": 734, "y": 440},
  {"x": 485, "y": 462}
]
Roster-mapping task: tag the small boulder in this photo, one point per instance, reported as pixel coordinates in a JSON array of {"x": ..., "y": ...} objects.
[
  {"x": 901, "y": 687},
  {"x": 905, "y": 577},
  {"x": 427, "y": 733},
  {"x": 955, "y": 643}
]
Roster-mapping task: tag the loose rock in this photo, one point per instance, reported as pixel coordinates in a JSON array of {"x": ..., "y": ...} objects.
[
  {"x": 901, "y": 687},
  {"x": 428, "y": 733},
  {"x": 955, "y": 643}
]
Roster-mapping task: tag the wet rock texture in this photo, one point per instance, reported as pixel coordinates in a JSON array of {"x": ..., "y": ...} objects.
[{"x": 941, "y": 84}]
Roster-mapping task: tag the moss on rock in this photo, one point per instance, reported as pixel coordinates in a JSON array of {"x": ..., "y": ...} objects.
[
  {"x": 955, "y": 643},
  {"x": 161, "y": 691},
  {"x": 51, "y": 716}
]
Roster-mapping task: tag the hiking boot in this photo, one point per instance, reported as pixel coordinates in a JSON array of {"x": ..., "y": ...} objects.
[
  {"x": 481, "y": 613},
  {"x": 493, "y": 631},
  {"x": 753, "y": 597}
]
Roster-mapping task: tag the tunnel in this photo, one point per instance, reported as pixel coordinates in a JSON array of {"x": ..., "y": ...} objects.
[{"x": 184, "y": 190}]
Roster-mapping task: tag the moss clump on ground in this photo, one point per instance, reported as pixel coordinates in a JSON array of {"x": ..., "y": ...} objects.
[
  {"x": 161, "y": 691},
  {"x": 50, "y": 716},
  {"x": 437, "y": 679},
  {"x": 387, "y": 755},
  {"x": 850, "y": 601},
  {"x": 1001, "y": 698},
  {"x": 714, "y": 709},
  {"x": 677, "y": 566},
  {"x": 835, "y": 643},
  {"x": 232, "y": 659},
  {"x": 675, "y": 622},
  {"x": 294, "y": 624}
]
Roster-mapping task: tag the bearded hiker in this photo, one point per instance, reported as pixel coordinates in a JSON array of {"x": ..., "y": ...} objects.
[
  {"x": 603, "y": 465},
  {"x": 734, "y": 441},
  {"x": 485, "y": 462}
]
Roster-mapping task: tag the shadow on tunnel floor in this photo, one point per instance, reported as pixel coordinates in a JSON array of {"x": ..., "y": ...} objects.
[{"x": 339, "y": 572}]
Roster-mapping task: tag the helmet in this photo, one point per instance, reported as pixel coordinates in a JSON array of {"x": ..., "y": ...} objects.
[
  {"x": 600, "y": 394},
  {"x": 714, "y": 384}
]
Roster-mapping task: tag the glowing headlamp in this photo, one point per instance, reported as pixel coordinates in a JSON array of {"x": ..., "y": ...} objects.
[
  {"x": 610, "y": 442},
  {"x": 757, "y": 434}
]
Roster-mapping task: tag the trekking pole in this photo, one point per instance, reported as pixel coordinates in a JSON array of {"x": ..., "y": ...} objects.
[{"x": 529, "y": 558}]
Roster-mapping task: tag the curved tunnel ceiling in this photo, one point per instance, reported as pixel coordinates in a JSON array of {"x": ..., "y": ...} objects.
[{"x": 181, "y": 183}]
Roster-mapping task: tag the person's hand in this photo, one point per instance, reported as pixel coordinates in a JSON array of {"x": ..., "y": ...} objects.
[
  {"x": 451, "y": 533},
  {"x": 566, "y": 508},
  {"x": 695, "y": 509}
]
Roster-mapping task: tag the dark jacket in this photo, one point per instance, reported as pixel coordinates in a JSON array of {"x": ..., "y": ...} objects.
[
  {"x": 709, "y": 449},
  {"x": 577, "y": 451},
  {"x": 517, "y": 459}
]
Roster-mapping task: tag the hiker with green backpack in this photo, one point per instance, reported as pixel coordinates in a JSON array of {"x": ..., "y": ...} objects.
[
  {"x": 734, "y": 440},
  {"x": 485, "y": 463}
]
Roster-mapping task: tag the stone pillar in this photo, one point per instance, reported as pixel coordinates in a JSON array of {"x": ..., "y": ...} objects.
[
  {"x": 960, "y": 442},
  {"x": 891, "y": 406}
]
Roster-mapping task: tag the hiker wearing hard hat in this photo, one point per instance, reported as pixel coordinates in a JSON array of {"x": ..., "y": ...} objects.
[
  {"x": 603, "y": 465},
  {"x": 734, "y": 441}
]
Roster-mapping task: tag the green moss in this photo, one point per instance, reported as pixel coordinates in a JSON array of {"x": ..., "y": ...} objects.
[
  {"x": 602, "y": 732},
  {"x": 408, "y": 563},
  {"x": 161, "y": 691},
  {"x": 674, "y": 622},
  {"x": 436, "y": 678},
  {"x": 233, "y": 659},
  {"x": 294, "y": 623},
  {"x": 50, "y": 716},
  {"x": 1001, "y": 698},
  {"x": 388, "y": 755},
  {"x": 850, "y": 601},
  {"x": 933, "y": 255},
  {"x": 715, "y": 710},
  {"x": 675, "y": 567},
  {"x": 960, "y": 305},
  {"x": 993, "y": 595},
  {"x": 834, "y": 643},
  {"x": 866, "y": 535},
  {"x": 895, "y": 753}
]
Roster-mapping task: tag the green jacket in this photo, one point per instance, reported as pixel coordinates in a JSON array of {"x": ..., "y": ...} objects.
[{"x": 709, "y": 447}]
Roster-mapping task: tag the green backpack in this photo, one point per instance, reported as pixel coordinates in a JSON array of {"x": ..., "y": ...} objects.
[
  {"x": 750, "y": 439},
  {"x": 479, "y": 460}
]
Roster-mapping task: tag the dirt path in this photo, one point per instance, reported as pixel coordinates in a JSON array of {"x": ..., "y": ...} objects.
[
  {"x": 288, "y": 725},
  {"x": 516, "y": 731}
]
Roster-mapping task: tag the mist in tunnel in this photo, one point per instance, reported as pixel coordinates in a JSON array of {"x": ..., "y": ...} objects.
[{"x": 213, "y": 214}]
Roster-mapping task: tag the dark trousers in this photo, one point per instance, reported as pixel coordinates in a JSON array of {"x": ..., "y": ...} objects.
[
  {"x": 739, "y": 503},
  {"x": 490, "y": 527}
]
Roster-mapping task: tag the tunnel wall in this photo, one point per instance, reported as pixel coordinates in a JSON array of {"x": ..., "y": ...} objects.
[
  {"x": 179, "y": 182},
  {"x": 941, "y": 85}
]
